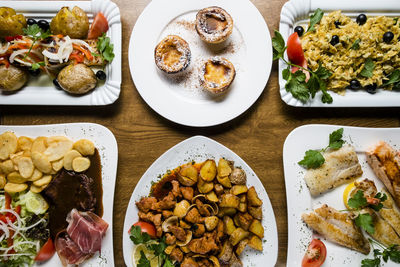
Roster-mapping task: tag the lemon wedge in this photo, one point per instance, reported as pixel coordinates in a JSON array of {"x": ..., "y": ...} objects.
[
  {"x": 148, "y": 253},
  {"x": 347, "y": 193}
]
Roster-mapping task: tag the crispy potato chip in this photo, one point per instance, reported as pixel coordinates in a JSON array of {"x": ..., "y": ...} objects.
[
  {"x": 36, "y": 175},
  {"x": 15, "y": 188},
  {"x": 7, "y": 166},
  {"x": 41, "y": 162},
  {"x": 39, "y": 144},
  {"x": 85, "y": 147},
  {"x": 24, "y": 143},
  {"x": 44, "y": 181},
  {"x": 69, "y": 157},
  {"x": 3, "y": 181},
  {"x": 25, "y": 167},
  {"x": 58, "y": 164},
  {"x": 16, "y": 178},
  {"x": 8, "y": 145},
  {"x": 37, "y": 189},
  {"x": 56, "y": 139},
  {"x": 80, "y": 164},
  {"x": 57, "y": 150}
]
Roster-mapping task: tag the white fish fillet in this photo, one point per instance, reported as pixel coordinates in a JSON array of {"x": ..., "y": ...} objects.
[{"x": 340, "y": 167}]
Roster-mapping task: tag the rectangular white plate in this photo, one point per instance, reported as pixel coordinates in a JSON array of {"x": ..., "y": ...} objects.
[
  {"x": 297, "y": 12},
  {"x": 298, "y": 196},
  {"x": 200, "y": 148},
  {"x": 105, "y": 142},
  {"x": 42, "y": 91}
]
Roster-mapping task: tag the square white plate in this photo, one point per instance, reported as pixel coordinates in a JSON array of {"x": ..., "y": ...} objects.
[
  {"x": 200, "y": 148},
  {"x": 42, "y": 91},
  {"x": 106, "y": 144},
  {"x": 295, "y": 12},
  {"x": 298, "y": 196}
]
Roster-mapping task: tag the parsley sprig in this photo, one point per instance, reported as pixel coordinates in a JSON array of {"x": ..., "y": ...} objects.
[
  {"x": 296, "y": 82},
  {"x": 382, "y": 253},
  {"x": 106, "y": 48},
  {"x": 35, "y": 33},
  {"x": 315, "y": 19},
  {"x": 358, "y": 202},
  {"x": 314, "y": 159}
]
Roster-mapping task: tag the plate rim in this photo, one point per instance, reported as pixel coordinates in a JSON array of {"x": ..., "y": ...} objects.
[
  {"x": 275, "y": 239},
  {"x": 185, "y": 120}
]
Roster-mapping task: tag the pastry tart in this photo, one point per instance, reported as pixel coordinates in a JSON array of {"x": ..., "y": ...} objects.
[
  {"x": 214, "y": 24},
  {"x": 172, "y": 54},
  {"x": 217, "y": 74}
]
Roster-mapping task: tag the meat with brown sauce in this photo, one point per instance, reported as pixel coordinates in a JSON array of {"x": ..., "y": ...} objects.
[
  {"x": 166, "y": 203},
  {"x": 203, "y": 245},
  {"x": 167, "y": 213},
  {"x": 189, "y": 262},
  {"x": 153, "y": 218},
  {"x": 145, "y": 204},
  {"x": 187, "y": 192},
  {"x": 178, "y": 232},
  {"x": 193, "y": 216},
  {"x": 202, "y": 208},
  {"x": 175, "y": 189},
  {"x": 176, "y": 255},
  {"x": 170, "y": 239}
]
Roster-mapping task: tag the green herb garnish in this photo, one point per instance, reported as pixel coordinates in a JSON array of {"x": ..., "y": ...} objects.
[
  {"x": 37, "y": 65},
  {"x": 368, "y": 69},
  {"x": 143, "y": 261},
  {"x": 356, "y": 44},
  {"x": 314, "y": 159},
  {"x": 106, "y": 48},
  {"x": 394, "y": 77},
  {"x": 137, "y": 236},
  {"x": 314, "y": 19},
  {"x": 365, "y": 221},
  {"x": 35, "y": 33},
  {"x": 384, "y": 253}
]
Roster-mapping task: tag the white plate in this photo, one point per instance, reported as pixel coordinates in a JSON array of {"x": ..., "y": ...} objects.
[
  {"x": 200, "y": 148},
  {"x": 182, "y": 100},
  {"x": 105, "y": 142},
  {"x": 297, "y": 12},
  {"x": 298, "y": 196},
  {"x": 42, "y": 91}
]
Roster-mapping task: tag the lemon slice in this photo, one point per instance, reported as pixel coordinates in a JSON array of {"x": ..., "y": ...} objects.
[
  {"x": 347, "y": 193},
  {"x": 149, "y": 254}
]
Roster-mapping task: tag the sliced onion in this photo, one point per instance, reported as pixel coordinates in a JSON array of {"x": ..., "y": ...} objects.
[
  {"x": 4, "y": 228},
  {"x": 4, "y": 49},
  {"x": 83, "y": 43},
  {"x": 21, "y": 52}
]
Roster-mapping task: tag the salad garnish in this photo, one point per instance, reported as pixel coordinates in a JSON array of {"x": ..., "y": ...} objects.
[{"x": 382, "y": 253}]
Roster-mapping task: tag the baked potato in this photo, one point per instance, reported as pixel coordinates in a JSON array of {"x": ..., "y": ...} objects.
[
  {"x": 11, "y": 23},
  {"x": 12, "y": 78},
  {"x": 74, "y": 23},
  {"x": 77, "y": 79}
]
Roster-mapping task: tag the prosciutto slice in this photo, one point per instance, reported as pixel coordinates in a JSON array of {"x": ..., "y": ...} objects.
[
  {"x": 68, "y": 251},
  {"x": 87, "y": 230}
]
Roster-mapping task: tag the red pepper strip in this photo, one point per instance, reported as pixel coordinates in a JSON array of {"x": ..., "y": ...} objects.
[
  {"x": 77, "y": 57},
  {"x": 4, "y": 61},
  {"x": 7, "y": 200},
  {"x": 84, "y": 51},
  {"x": 12, "y": 38}
]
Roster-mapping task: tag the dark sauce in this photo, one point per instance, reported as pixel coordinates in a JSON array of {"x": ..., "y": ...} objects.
[{"x": 68, "y": 190}]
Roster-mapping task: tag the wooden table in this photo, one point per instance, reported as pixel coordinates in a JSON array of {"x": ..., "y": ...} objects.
[{"x": 257, "y": 136}]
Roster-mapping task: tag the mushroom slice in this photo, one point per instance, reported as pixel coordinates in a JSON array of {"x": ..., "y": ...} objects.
[
  {"x": 188, "y": 239},
  {"x": 173, "y": 220}
]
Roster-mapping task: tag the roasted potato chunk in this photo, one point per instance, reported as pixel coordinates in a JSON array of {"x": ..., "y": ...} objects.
[
  {"x": 244, "y": 220},
  {"x": 187, "y": 175},
  {"x": 204, "y": 187},
  {"x": 77, "y": 79},
  {"x": 224, "y": 167},
  {"x": 12, "y": 78},
  {"x": 224, "y": 181},
  {"x": 256, "y": 243},
  {"x": 257, "y": 228},
  {"x": 256, "y": 212},
  {"x": 239, "y": 189},
  {"x": 241, "y": 246},
  {"x": 11, "y": 23},
  {"x": 229, "y": 226},
  {"x": 226, "y": 253},
  {"x": 229, "y": 201},
  {"x": 226, "y": 211},
  {"x": 208, "y": 170},
  {"x": 73, "y": 23},
  {"x": 238, "y": 235},
  {"x": 253, "y": 198},
  {"x": 211, "y": 222},
  {"x": 238, "y": 176}
]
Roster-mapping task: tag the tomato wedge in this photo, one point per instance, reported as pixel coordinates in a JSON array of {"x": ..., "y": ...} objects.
[
  {"x": 315, "y": 254},
  {"x": 146, "y": 228},
  {"x": 294, "y": 50},
  {"x": 98, "y": 27},
  {"x": 46, "y": 252}
]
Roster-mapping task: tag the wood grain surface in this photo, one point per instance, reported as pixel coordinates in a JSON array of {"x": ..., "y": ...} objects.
[{"x": 257, "y": 136}]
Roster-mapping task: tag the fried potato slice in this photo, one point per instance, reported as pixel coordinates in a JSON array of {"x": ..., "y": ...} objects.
[
  {"x": 24, "y": 143},
  {"x": 256, "y": 243},
  {"x": 25, "y": 167},
  {"x": 12, "y": 188},
  {"x": 8, "y": 145},
  {"x": 257, "y": 228},
  {"x": 57, "y": 150},
  {"x": 37, "y": 189},
  {"x": 3, "y": 181},
  {"x": 58, "y": 164},
  {"x": 36, "y": 175},
  {"x": 80, "y": 164},
  {"x": 253, "y": 198},
  {"x": 85, "y": 147},
  {"x": 7, "y": 166},
  {"x": 39, "y": 144},
  {"x": 238, "y": 235},
  {"x": 69, "y": 157},
  {"x": 224, "y": 167},
  {"x": 208, "y": 170},
  {"x": 41, "y": 162},
  {"x": 16, "y": 178},
  {"x": 44, "y": 181}
]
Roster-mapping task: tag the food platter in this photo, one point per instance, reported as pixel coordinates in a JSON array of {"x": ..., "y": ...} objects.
[
  {"x": 299, "y": 199},
  {"x": 199, "y": 148},
  {"x": 183, "y": 100},
  {"x": 41, "y": 91},
  {"x": 296, "y": 12},
  {"x": 106, "y": 144}
]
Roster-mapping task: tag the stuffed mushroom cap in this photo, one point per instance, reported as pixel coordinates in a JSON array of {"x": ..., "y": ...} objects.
[
  {"x": 73, "y": 23},
  {"x": 12, "y": 78},
  {"x": 11, "y": 23},
  {"x": 77, "y": 79}
]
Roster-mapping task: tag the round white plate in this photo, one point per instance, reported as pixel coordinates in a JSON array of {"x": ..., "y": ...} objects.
[
  {"x": 181, "y": 98},
  {"x": 200, "y": 148}
]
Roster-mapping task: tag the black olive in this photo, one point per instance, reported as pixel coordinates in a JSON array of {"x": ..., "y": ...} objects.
[
  {"x": 35, "y": 72},
  {"x": 56, "y": 84},
  {"x": 355, "y": 84},
  {"x": 101, "y": 75},
  {"x": 371, "y": 88},
  {"x": 43, "y": 24},
  {"x": 31, "y": 21},
  {"x": 361, "y": 19},
  {"x": 335, "y": 40},
  {"x": 388, "y": 37},
  {"x": 299, "y": 30},
  {"x": 337, "y": 24}
]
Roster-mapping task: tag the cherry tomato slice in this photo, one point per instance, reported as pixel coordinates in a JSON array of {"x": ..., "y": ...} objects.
[
  {"x": 294, "y": 50},
  {"x": 146, "y": 228},
  {"x": 98, "y": 27},
  {"x": 46, "y": 252},
  {"x": 315, "y": 254},
  {"x": 304, "y": 65}
]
